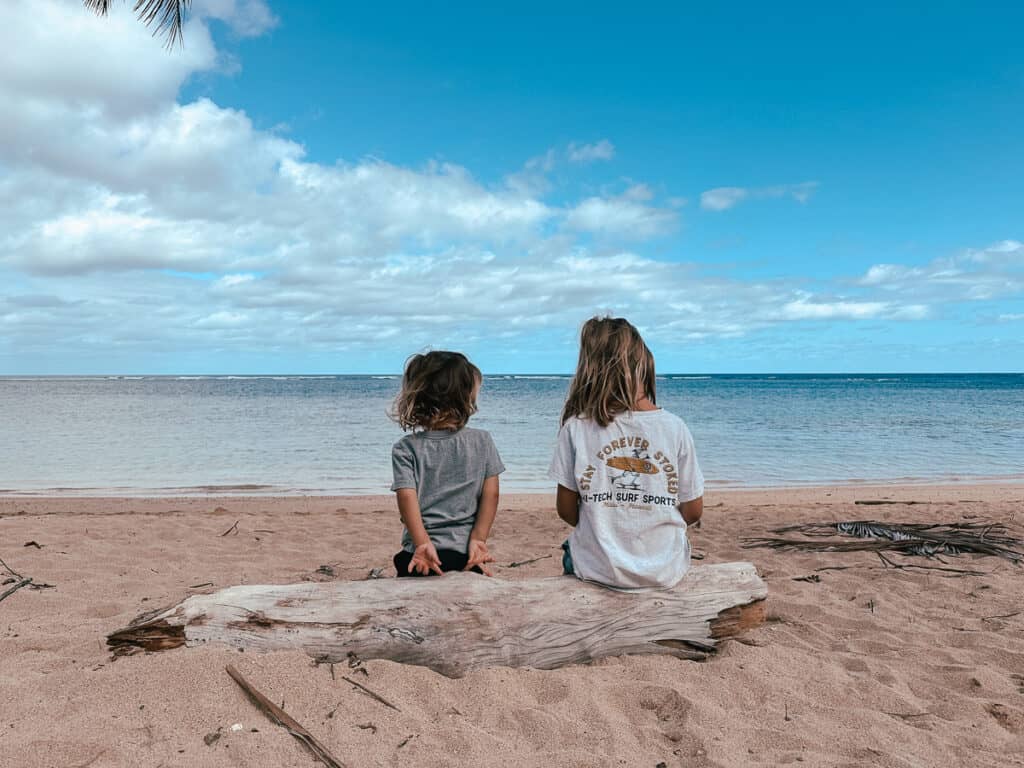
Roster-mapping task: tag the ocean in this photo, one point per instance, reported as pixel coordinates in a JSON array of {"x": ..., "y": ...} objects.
[{"x": 190, "y": 435}]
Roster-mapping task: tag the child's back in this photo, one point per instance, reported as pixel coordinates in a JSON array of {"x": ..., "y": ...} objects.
[
  {"x": 627, "y": 471},
  {"x": 630, "y": 476},
  {"x": 445, "y": 474},
  {"x": 447, "y": 469}
]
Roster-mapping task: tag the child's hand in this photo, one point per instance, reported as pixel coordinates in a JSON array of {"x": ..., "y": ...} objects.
[
  {"x": 425, "y": 559},
  {"x": 478, "y": 556}
]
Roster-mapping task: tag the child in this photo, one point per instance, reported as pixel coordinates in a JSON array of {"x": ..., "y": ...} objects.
[
  {"x": 446, "y": 474},
  {"x": 627, "y": 473}
]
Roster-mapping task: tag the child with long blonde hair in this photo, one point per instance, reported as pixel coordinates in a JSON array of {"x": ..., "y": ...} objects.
[
  {"x": 445, "y": 473},
  {"x": 627, "y": 472}
]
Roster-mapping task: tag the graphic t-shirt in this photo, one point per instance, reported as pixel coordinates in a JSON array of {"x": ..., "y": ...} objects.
[{"x": 630, "y": 476}]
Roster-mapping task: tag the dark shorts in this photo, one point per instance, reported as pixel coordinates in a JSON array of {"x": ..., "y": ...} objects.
[
  {"x": 451, "y": 560},
  {"x": 567, "y": 569}
]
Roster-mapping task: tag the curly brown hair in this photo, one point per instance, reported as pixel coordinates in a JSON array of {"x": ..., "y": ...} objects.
[
  {"x": 438, "y": 391},
  {"x": 615, "y": 370}
]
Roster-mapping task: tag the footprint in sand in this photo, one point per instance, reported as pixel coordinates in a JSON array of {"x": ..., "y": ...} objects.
[
  {"x": 669, "y": 707},
  {"x": 105, "y": 610},
  {"x": 1009, "y": 718},
  {"x": 855, "y": 665},
  {"x": 533, "y": 725},
  {"x": 550, "y": 691},
  {"x": 1019, "y": 682}
]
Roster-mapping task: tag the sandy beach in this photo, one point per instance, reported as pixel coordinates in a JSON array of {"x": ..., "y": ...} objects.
[{"x": 867, "y": 666}]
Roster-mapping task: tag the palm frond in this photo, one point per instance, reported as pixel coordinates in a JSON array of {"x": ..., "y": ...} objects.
[
  {"x": 164, "y": 16},
  {"x": 924, "y": 539}
]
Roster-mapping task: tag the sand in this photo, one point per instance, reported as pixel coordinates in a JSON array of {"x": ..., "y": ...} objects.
[{"x": 865, "y": 667}]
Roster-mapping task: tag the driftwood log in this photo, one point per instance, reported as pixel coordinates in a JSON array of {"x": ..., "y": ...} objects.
[{"x": 461, "y": 622}]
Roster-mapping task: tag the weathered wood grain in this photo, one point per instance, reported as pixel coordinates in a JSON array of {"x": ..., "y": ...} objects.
[{"x": 461, "y": 622}]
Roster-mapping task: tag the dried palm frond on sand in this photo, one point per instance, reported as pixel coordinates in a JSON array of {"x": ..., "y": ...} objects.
[{"x": 926, "y": 539}]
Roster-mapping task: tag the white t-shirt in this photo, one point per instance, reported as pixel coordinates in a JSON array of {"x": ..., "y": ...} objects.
[{"x": 630, "y": 476}]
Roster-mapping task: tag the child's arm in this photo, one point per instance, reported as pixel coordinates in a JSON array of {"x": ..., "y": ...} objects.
[
  {"x": 691, "y": 481},
  {"x": 424, "y": 559},
  {"x": 692, "y": 510},
  {"x": 567, "y": 504},
  {"x": 486, "y": 510},
  {"x": 562, "y": 471}
]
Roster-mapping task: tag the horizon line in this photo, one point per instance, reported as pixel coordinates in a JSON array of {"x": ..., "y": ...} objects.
[{"x": 390, "y": 374}]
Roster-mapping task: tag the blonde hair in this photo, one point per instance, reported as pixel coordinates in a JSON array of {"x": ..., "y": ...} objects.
[
  {"x": 615, "y": 370},
  {"x": 438, "y": 390}
]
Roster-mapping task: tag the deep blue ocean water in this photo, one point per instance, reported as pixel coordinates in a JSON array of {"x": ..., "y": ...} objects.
[{"x": 331, "y": 434}]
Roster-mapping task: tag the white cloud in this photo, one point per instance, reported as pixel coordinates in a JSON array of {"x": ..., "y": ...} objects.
[
  {"x": 805, "y": 308},
  {"x": 129, "y": 220},
  {"x": 881, "y": 274},
  {"x": 640, "y": 192},
  {"x": 1004, "y": 252},
  {"x": 974, "y": 274},
  {"x": 382, "y": 201},
  {"x": 59, "y": 58},
  {"x": 1007, "y": 246},
  {"x": 193, "y": 160},
  {"x": 621, "y": 216},
  {"x": 532, "y": 178},
  {"x": 229, "y": 280},
  {"x": 799, "y": 192},
  {"x": 246, "y": 18},
  {"x": 220, "y": 320},
  {"x": 589, "y": 153},
  {"x": 724, "y": 198},
  {"x": 802, "y": 309},
  {"x": 910, "y": 312},
  {"x": 106, "y": 239}
]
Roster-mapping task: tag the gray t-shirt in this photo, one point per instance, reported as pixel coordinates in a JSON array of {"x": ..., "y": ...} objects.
[{"x": 448, "y": 470}]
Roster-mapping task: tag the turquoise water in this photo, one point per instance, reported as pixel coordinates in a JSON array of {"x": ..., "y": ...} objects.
[{"x": 331, "y": 434}]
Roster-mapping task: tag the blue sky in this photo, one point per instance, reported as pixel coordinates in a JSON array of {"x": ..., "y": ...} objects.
[{"x": 320, "y": 187}]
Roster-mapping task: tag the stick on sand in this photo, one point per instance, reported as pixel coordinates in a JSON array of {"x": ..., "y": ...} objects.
[
  {"x": 15, "y": 588},
  {"x": 370, "y": 693},
  {"x": 286, "y": 721}
]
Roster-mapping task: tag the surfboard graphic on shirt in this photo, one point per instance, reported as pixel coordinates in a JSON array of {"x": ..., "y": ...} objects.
[
  {"x": 632, "y": 464},
  {"x": 631, "y": 468}
]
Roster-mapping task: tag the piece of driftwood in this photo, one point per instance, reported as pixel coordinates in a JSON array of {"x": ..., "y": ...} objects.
[
  {"x": 460, "y": 622},
  {"x": 15, "y": 588},
  {"x": 19, "y": 581},
  {"x": 286, "y": 721},
  {"x": 10, "y": 570}
]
